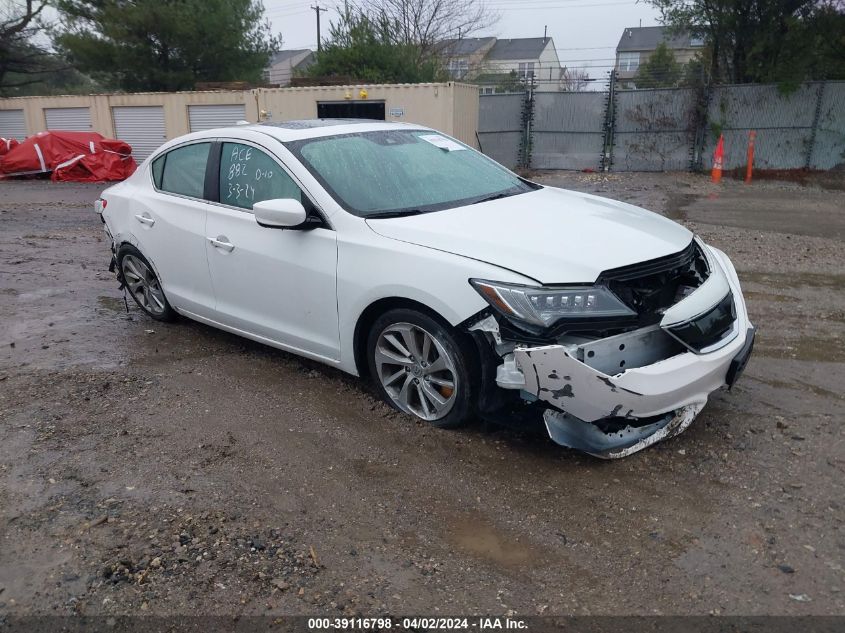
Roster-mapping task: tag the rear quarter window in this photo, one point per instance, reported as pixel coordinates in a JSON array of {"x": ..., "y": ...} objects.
[{"x": 158, "y": 170}]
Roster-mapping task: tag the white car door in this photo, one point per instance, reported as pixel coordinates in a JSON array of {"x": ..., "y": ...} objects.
[
  {"x": 169, "y": 223},
  {"x": 275, "y": 284}
]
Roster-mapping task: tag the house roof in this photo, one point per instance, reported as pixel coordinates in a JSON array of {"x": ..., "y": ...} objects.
[
  {"x": 523, "y": 48},
  {"x": 647, "y": 38},
  {"x": 282, "y": 56},
  {"x": 463, "y": 46}
]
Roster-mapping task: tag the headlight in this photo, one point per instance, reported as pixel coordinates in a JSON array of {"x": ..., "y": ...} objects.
[{"x": 544, "y": 306}]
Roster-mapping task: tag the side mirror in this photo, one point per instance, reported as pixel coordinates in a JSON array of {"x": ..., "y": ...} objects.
[{"x": 281, "y": 213}]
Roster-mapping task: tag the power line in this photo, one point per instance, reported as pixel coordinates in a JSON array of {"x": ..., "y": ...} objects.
[
  {"x": 285, "y": 6},
  {"x": 284, "y": 12},
  {"x": 533, "y": 6},
  {"x": 516, "y": 4},
  {"x": 584, "y": 48}
]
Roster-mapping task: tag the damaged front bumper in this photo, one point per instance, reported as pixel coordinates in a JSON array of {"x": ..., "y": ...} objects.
[
  {"x": 615, "y": 396},
  {"x": 619, "y": 442},
  {"x": 615, "y": 416}
]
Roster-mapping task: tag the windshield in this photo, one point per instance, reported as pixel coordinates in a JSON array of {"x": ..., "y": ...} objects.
[{"x": 393, "y": 172}]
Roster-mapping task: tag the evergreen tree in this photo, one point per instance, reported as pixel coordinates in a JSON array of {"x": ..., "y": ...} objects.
[{"x": 165, "y": 45}]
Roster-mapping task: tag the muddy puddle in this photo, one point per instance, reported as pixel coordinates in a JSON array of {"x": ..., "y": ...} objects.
[
  {"x": 754, "y": 295},
  {"x": 830, "y": 349},
  {"x": 794, "y": 280},
  {"x": 677, "y": 203},
  {"x": 114, "y": 304},
  {"x": 801, "y": 385},
  {"x": 482, "y": 540}
]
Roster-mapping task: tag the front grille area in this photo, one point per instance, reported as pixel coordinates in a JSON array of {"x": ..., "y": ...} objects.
[
  {"x": 648, "y": 288},
  {"x": 653, "y": 266},
  {"x": 651, "y": 287}
]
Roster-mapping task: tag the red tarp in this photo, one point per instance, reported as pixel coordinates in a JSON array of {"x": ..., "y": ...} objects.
[
  {"x": 7, "y": 144},
  {"x": 78, "y": 156}
]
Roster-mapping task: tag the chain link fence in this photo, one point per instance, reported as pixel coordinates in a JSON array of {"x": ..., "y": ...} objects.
[
  {"x": 666, "y": 129},
  {"x": 653, "y": 130},
  {"x": 568, "y": 131},
  {"x": 501, "y": 129}
]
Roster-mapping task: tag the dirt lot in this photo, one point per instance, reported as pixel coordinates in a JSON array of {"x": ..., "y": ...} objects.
[{"x": 161, "y": 469}]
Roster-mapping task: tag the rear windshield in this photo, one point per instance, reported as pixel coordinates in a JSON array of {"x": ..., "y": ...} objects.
[{"x": 394, "y": 171}]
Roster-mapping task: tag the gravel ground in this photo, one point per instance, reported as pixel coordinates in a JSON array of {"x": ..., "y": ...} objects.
[{"x": 175, "y": 469}]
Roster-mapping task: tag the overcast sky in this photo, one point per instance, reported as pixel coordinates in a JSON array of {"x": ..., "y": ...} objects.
[{"x": 582, "y": 29}]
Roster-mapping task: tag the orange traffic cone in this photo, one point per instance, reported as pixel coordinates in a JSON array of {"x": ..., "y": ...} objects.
[{"x": 718, "y": 156}]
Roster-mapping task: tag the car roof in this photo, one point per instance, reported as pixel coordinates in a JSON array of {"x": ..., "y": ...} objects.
[
  {"x": 299, "y": 129},
  {"x": 284, "y": 131}
]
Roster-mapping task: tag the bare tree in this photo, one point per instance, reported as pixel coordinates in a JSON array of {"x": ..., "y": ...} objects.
[
  {"x": 424, "y": 23},
  {"x": 21, "y": 60},
  {"x": 574, "y": 79}
]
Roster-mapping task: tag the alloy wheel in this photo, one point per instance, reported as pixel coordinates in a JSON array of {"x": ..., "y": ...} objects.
[
  {"x": 143, "y": 284},
  {"x": 416, "y": 371}
]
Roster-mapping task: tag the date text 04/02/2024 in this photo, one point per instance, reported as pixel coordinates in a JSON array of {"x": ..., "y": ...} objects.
[{"x": 416, "y": 623}]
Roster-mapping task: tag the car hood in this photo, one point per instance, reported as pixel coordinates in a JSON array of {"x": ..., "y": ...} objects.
[{"x": 552, "y": 235}]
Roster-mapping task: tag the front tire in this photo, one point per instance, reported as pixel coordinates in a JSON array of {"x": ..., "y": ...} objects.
[
  {"x": 143, "y": 284},
  {"x": 422, "y": 367}
]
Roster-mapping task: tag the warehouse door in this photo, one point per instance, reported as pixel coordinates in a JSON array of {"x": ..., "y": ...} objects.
[
  {"x": 207, "y": 117},
  {"x": 351, "y": 110},
  {"x": 69, "y": 119},
  {"x": 140, "y": 126},
  {"x": 12, "y": 124}
]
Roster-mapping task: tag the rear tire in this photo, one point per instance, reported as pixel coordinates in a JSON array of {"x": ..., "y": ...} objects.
[
  {"x": 422, "y": 367},
  {"x": 143, "y": 284}
]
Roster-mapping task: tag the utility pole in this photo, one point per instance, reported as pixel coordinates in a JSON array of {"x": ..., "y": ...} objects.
[{"x": 319, "y": 9}]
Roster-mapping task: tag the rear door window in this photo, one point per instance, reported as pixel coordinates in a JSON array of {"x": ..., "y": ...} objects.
[
  {"x": 249, "y": 175},
  {"x": 182, "y": 170}
]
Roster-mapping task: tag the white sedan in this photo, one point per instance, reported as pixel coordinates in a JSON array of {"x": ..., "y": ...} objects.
[{"x": 395, "y": 252}]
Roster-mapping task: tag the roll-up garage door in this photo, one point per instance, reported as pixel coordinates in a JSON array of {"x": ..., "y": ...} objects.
[
  {"x": 140, "y": 126},
  {"x": 12, "y": 124},
  {"x": 207, "y": 117},
  {"x": 72, "y": 119}
]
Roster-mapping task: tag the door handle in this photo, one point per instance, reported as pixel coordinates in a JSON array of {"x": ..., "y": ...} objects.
[
  {"x": 145, "y": 219},
  {"x": 222, "y": 243}
]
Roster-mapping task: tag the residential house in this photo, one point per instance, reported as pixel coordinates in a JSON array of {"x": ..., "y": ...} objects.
[
  {"x": 284, "y": 64},
  {"x": 464, "y": 57},
  {"x": 493, "y": 63},
  {"x": 638, "y": 43},
  {"x": 532, "y": 59}
]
